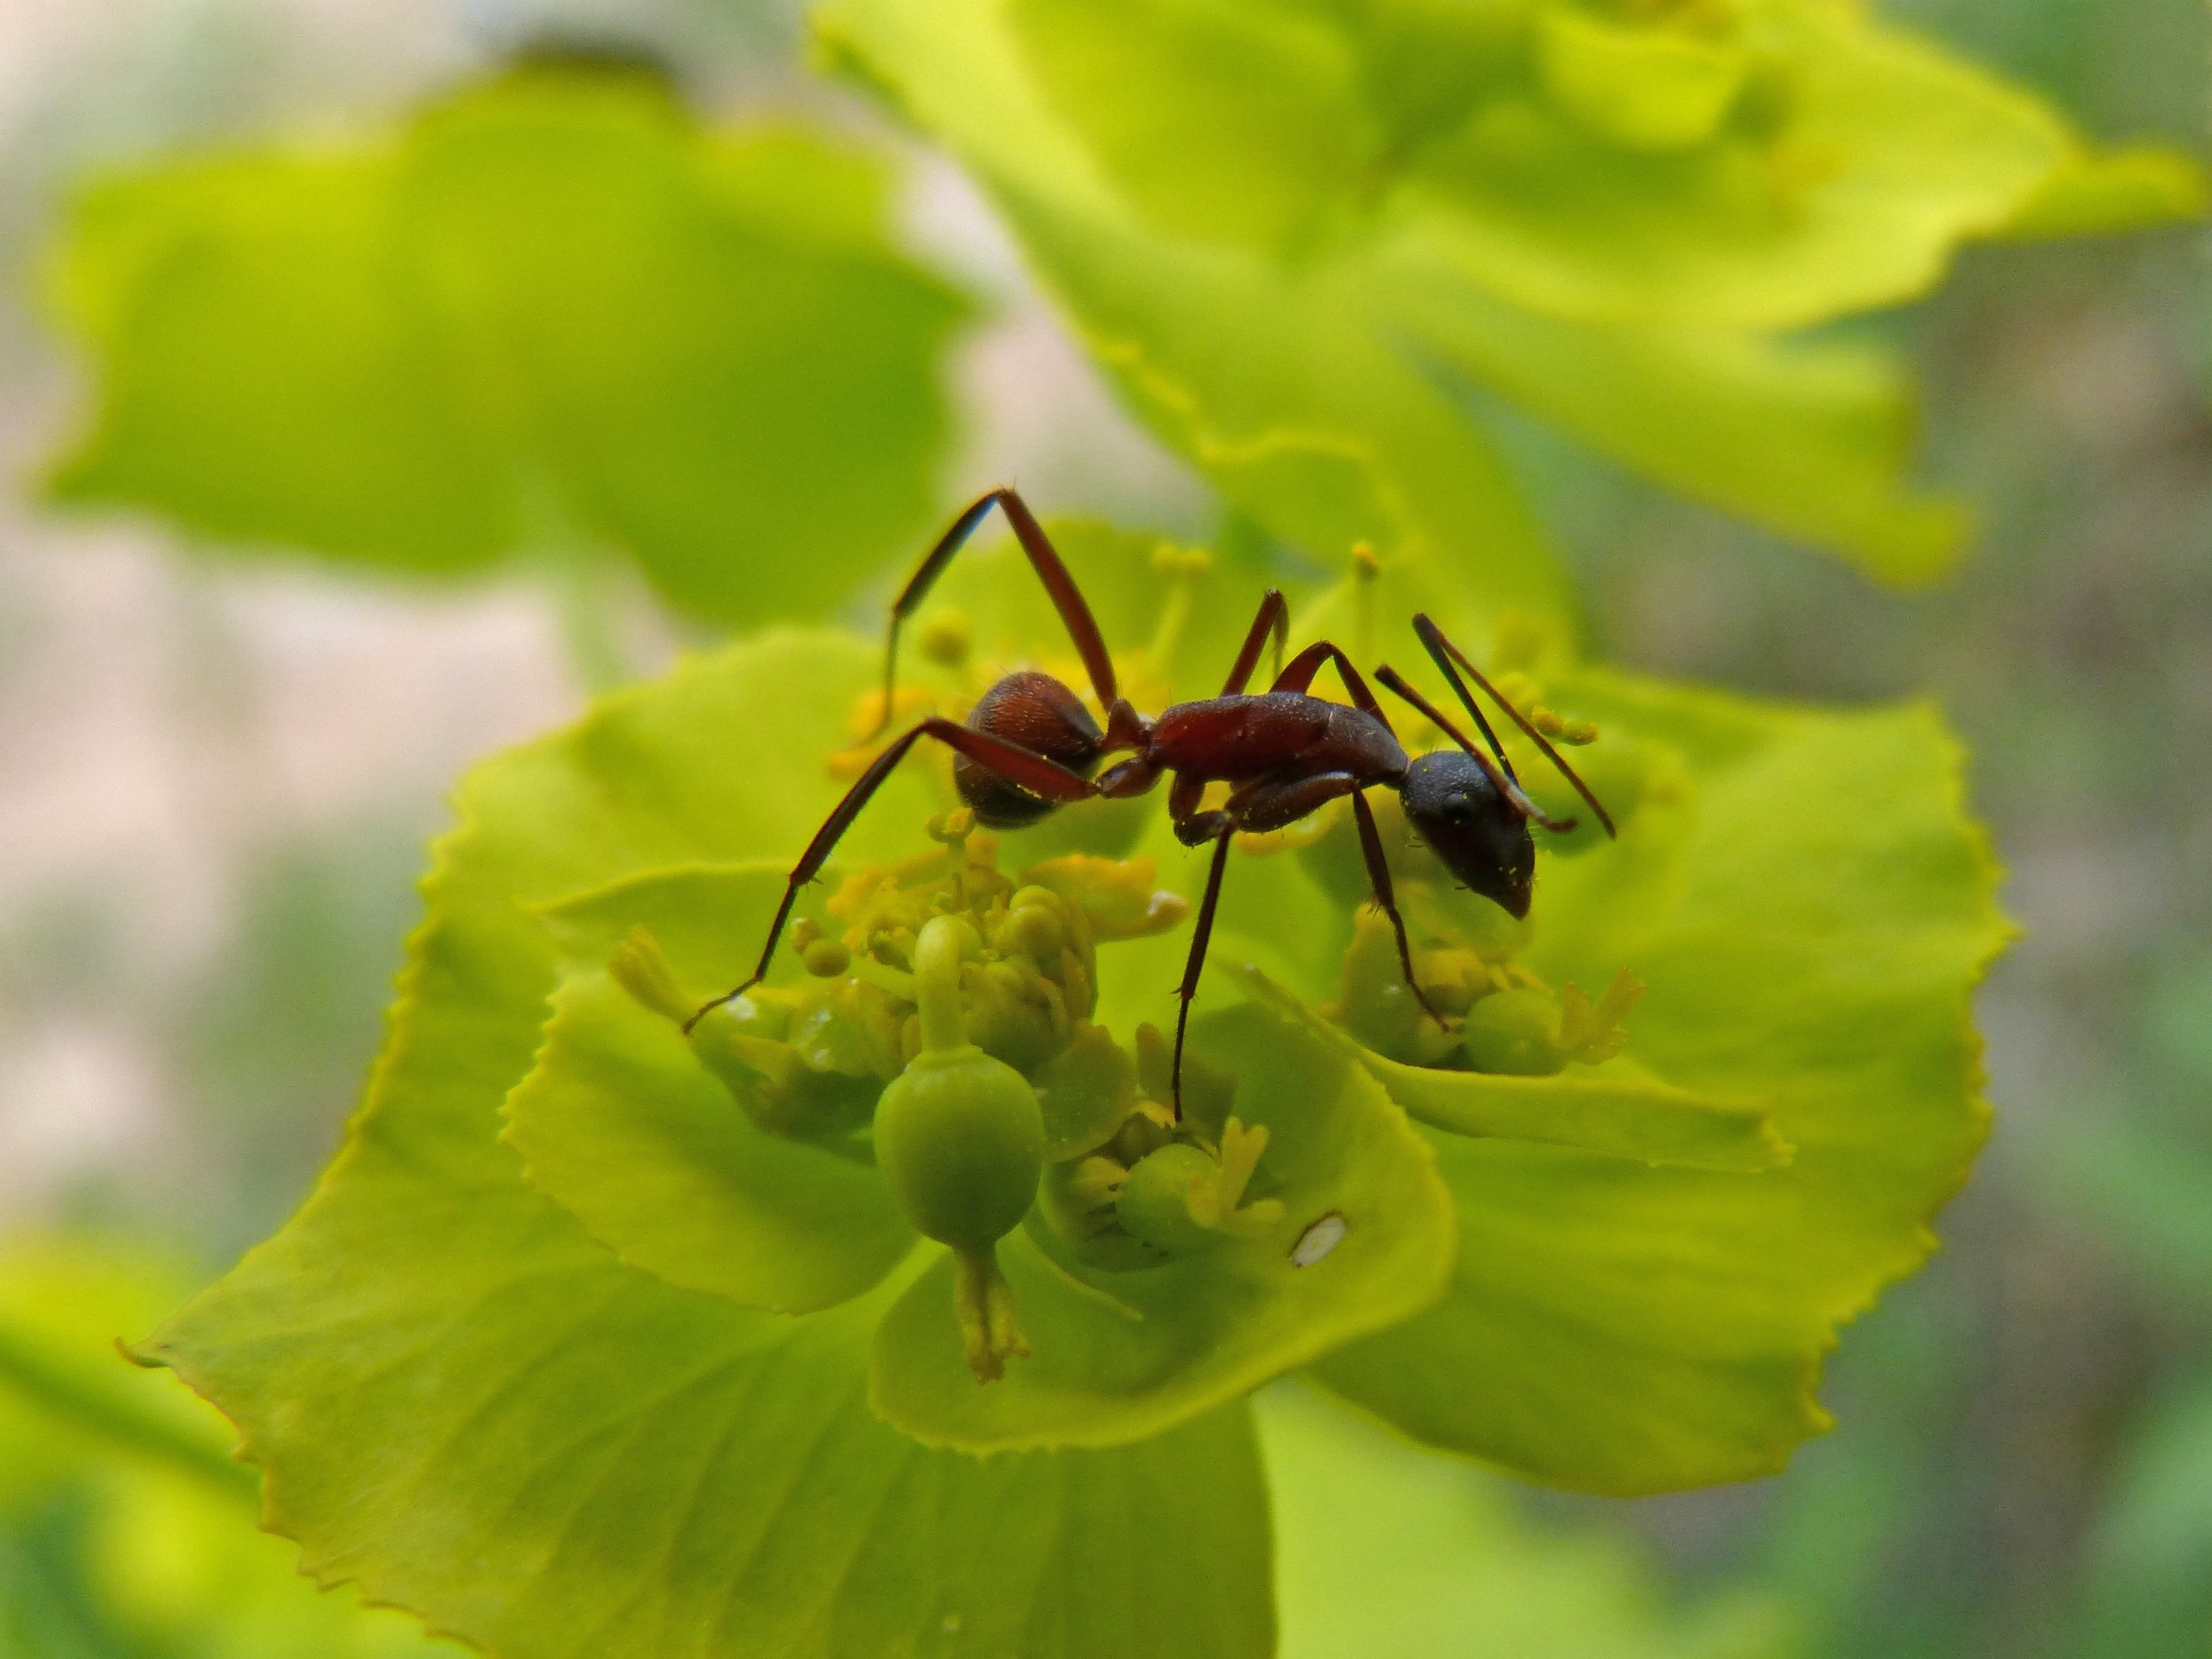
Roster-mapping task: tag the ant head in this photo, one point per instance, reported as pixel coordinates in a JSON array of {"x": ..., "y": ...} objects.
[
  {"x": 1037, "y": 712},
  {"x": 1481, "y": 836}
]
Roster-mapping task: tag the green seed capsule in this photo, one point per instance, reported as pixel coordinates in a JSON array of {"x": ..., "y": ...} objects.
[
  {"x": 1154, "y": 1203},
  {"x": 1516, "y": 1033},
  {"x": 961, "y": 1141},
  {"x": 826, "y": 959}
]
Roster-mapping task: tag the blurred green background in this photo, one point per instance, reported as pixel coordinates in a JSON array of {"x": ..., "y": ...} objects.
[{"x": 216, "y": 777}]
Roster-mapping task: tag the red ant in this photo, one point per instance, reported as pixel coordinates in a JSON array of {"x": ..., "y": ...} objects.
[{"x": 1029, "y": 745}]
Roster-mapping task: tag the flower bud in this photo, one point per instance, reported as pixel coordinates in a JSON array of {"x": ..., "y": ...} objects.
[
  {"x": 1156, "y": 1200},
  {"x": 961, "y": 1141},
  {"x": 1515, "y": 1033}
]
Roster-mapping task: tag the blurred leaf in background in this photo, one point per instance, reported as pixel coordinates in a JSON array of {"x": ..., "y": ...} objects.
[
  {"x": 1383, "y": 1550},
  {"x": 1289, "y": 228},
  {"x": 125, "y": 1530},
  {"x": 549, "y": 314}
]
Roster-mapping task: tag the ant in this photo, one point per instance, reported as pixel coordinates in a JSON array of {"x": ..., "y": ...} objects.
[{"x": 1029, "y": 745}]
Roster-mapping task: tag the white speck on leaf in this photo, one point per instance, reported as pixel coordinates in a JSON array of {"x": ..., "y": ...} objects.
[{"x": 1318, "y": 1240}]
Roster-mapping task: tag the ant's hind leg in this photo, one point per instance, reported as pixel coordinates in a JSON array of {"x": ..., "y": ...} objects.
[
  {"x": 1066, "y": 597},
  {"x": 1033, "y": 772}
]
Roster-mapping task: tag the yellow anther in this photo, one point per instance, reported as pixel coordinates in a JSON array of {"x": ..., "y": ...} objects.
[
  {"x": 868, "y": 720},
  {"x": 1172, "y": 561}
]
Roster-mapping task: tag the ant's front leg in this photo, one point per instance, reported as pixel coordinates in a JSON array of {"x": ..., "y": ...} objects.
[
  {"x": 1378, "y": 880},
  {"x": 1193, "y": 828}
]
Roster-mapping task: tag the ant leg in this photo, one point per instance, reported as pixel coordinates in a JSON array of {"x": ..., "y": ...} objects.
[
  {"x": 1277, "y": 801},
  {"x": 1501, "y": 781},
  {"x": 1445, "y": 654},
  {"x": 1196, "y": 963},
  {"x": 1378, "y": 878},
  {"x": 1067, "y": 598},
  {"x": 1274, "y": 618},
  {"x": 1303, "y": 666},
  {"x": 1033, "y": 772},
  {"x": 1183, "y": 797}
]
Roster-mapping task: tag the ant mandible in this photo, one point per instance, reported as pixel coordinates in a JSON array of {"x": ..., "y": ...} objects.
[{"x": 1029, "y": 746}]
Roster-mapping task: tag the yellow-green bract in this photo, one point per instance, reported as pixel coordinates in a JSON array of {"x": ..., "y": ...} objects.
[
  {"x": 465, "y": 1400},
  {"x": 550, "y": 316},
  {"x": 1416, "y": 194}
]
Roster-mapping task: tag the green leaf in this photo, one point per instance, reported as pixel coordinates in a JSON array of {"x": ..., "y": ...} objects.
[
  {"x": 1612, "y": 1110},
  {"x": 621, "y": 1125},
  {"x": 1858, "y": 159},
  {"x": 163, "y": 1556},
  {"x": 1324, "y": 394},
  {"x": 1341, "y": 440},
  {"x": 462, "y": 1402},
  {"x": 1249, "y": 120},
  {"x": 1759, "y": 168},
  {"x": 259, "y": 378},
  {"x": 2145, "y": 1564},
  {"x": 2093, "y": 195},
  {"x": 1383, "y": 1549},
  {"x": 1147, "y": 1348},
  {"x": 65, "y": 1397},
  {"x": 1810, "y": 913},
  {"x": 548, "y": 313},
  {"x": 1812, "y": 441}
]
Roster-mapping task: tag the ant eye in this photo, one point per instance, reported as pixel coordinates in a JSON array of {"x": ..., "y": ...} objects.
[{"x": 1456, "y": 806}]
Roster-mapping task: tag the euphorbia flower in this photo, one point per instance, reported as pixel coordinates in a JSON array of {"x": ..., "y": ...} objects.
[{"x": 597, "y": 1338}]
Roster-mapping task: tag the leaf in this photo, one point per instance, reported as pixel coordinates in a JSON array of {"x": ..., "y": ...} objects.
[
  {"x": 1876, "y": 154},
  {"x": 548, "y": 311},
  {"x": 1756, "y": 167},
  {"x": 65, "y": 1400},
  {"x": 2094, "y": 195},
  {"x": 1612, "y": 1111},
  {"x": 1811, "y": 942},
  {"x": 1149, "y": 1347},
  {"x": 1814, "y": 440},
  {"x": 1383, "y": 1549},
  {"x": 1328, "y": 395},
  {"x": 1338, "y": 441},
  {"x": 464, "y": 1404},
  {"x": 2144, "y": 1570},
  {"x": 260, "y": 379},
  {"x": 1248, "y": 123},
  {"x": 621, "y": 1125},
  {"x": 158, "y": 1552}
]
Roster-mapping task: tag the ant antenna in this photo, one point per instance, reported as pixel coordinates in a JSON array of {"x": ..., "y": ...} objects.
[
  {"x": 1445, "y": 654},
  {"x": 1501, "y": 780}
]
